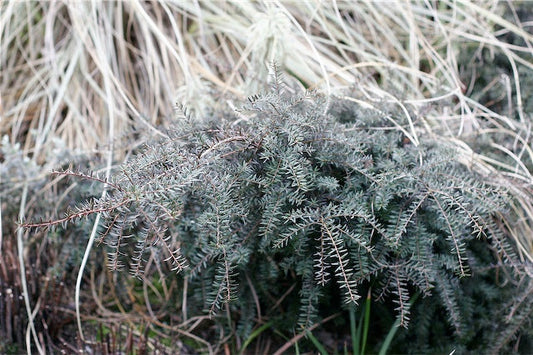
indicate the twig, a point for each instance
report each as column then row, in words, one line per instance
column 73, row 216
column 69, row 172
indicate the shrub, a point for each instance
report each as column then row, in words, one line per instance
column 288, row 195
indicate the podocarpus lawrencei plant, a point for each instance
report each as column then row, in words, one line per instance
column 290, row 195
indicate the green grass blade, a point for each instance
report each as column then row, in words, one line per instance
column 389, row 337
column 393, row 330
column 353, row 331
column 359, row 335
column 254, row 335
column 319, row 346
column 366, row 323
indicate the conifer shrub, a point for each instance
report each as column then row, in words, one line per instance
column 323, row 198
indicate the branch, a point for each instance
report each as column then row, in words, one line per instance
column 69, row 172
column 44, row 224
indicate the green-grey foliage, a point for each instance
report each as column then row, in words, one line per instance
column 290, row 195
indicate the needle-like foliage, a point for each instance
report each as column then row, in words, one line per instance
column 332, row 201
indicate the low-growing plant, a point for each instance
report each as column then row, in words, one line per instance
column 325, row 195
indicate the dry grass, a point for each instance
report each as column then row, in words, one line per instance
column 91, row 74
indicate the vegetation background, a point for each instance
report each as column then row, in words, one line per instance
column 85, row 84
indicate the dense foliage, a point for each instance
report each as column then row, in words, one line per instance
column 323, row 194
